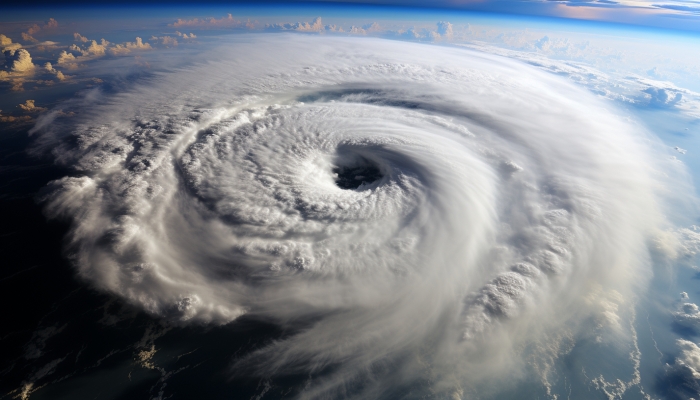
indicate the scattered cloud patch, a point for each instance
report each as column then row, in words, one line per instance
column 127, row 47
column 186, row 36
column 445, row 30
column 688, row 314
column 66, row 58
column 49, row 68
column 97, row 49
column 682, row 378
column 12, row 118
column 19, row 60
column 6, row 44
column 373, row 27
column 36, row 28
column 80, row 38
column 226, row 22
column 30, row 106
column 314, row 26
column 29, row 38
column 4, row 40
column 167, row 41
column 662, row 97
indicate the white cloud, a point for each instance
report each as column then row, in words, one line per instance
column 51, row 23
column 689, row 357
column 662, row 97
column 59, row 75
column 12, row 118
column 625, row 88
column 314, row 26
column 34, row 29
column 688, row 314
column 445, row 30
column 66, row 58
column 186, row 36
column 356, row 30
column 7, row 45
column 226, row 22
column 80, row 38
column 411, row 33
column 689, row 243
column 93, row 50
column 19, row 60
column 478, row 234
column 167, row 41
column 127, row 47
column 31, row 107
column 29, row 38
column 373, row 27
column 97, row 49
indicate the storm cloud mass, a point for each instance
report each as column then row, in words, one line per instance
column 416, row 214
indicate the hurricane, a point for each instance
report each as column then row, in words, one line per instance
column 411, row 214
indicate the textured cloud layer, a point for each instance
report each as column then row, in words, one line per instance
column 414, row 212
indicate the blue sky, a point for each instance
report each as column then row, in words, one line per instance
column 668, row 14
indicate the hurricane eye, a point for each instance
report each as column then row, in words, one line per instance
column 356, row 173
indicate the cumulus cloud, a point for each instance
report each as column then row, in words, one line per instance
column 226, row 22
column 66, row 58
column 444, row 28
column 356, row 30
column 29, row 38
column 34, row 29
column 689, row 357
column 4, row 40
column 373, row 27
column 402, row 197
column 682, row 378
column 97, row 49
column 31, row 107
column 19, row 61
column 443, row 31
column 688, row 315
column 558, row 46
column 6, row 44
column 14, row 119
column 411, row 34
column 49, row 68
column 314, row 26
column 679, row 245
column 51, row 23
column 93, row 50
column 127, row 47
column 662, row 97
column 80, row 38
column 167, row 41
column 186, row 36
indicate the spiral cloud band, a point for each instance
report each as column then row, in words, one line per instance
column 405, row 207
